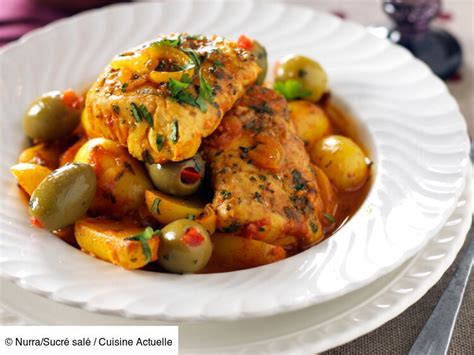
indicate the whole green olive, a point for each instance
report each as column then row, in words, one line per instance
column 49, row 118
column 63, row 196
column 307, row 72
column 185, row 247
column 180, row 179
column 260, row 54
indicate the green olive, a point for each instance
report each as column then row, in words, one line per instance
column 307, row 72
column 49, row 118
column 179, row 179
column 63, row 196
column 185, row 247
column 260, row 54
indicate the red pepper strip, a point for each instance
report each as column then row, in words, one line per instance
column 190, row 176
column 35, row 222
column 192, row 237
column 71, row 99
column 245, row 42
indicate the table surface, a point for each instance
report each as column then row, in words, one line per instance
column 397, row 336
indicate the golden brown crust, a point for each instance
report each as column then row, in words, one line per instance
column 108, row 103
column 264, row 185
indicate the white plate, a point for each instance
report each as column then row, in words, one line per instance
column 311, row 330
column 412, row 125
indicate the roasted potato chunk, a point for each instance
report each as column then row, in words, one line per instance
column 29, row 176
column 121, row 180
column 236, row 252
column 108, row 240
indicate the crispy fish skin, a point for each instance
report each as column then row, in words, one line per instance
column 178, row 127
column 264, row 185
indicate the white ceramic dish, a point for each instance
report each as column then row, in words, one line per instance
column 412, row 125
column 308, row 331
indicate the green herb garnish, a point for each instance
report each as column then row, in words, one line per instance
column 257, row 196
column 135, row 112
column 329, row 217
column 314, row 227
column 160, row 141
column 291, row 89
column 191, row 217
column 206, row 94
column 124, row 87
column 168, row 42
column 193, row 55
column 145, row 114
column 218, row 64
column 174, row 134
column 226, row 194
column 298, row 181
column 141, row 113
column 116, row 109
column 155, row 206
column 143, row 238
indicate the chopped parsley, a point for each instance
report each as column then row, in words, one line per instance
column 262, row 177
column 206, row 94
column 291, row 89
column 160, row 141
column 124, row 87
column 141, row 113
column 226, row 194
column 177, row 89
column 168, row 42
column 135, row 112
column 116, row 109
column 255, row 126
column 264, row 108
column 298, row 181
column 257, row 196
column 193, row 55
column 329, row 217
column 174, row 134
column 314, row 227
column 218, row 64
column 143, row 238
column 155, row 206
column 146, row 115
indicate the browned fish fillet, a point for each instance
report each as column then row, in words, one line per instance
column 264, row 185
column 134, row 103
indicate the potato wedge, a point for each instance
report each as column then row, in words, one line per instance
column 106, row 240
column 236, row 252
column 29, row 175
column 42, row 154
column 208, row 219
column 69, row 155
column 167, row 209
column 121, row 179
column 326, row 191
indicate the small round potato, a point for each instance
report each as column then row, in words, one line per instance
column 121, row 179
column 342, row 160
column 310, row 121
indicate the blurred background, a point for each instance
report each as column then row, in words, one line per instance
column 432, row 44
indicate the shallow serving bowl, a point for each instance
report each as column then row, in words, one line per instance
column 411, row 125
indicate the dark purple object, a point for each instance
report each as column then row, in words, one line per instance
column 436, row 47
